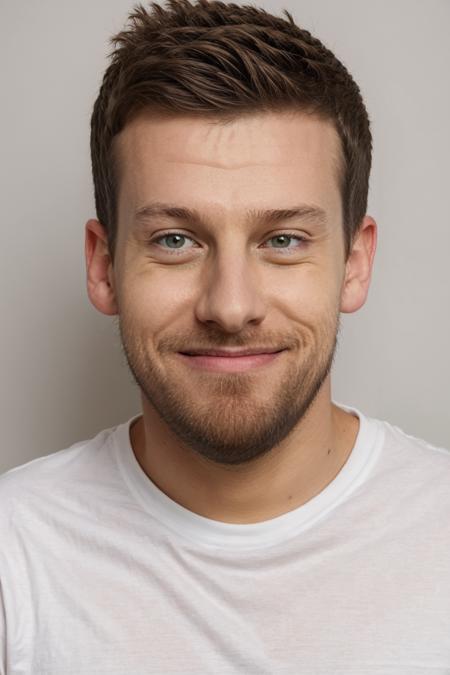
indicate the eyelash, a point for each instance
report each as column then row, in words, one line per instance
column 174, row 251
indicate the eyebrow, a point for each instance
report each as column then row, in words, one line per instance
column 265, row 217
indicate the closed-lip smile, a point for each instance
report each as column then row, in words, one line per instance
column 230, row 353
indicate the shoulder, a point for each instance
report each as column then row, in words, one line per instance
column 407, row 445
column 400, row 452
column 417, row 465
column 26, row 485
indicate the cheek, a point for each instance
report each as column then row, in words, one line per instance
column 310, row 294
column 153, row 299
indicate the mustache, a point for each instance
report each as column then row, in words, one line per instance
column 233, row 342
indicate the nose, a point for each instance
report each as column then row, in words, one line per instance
column 231, row 294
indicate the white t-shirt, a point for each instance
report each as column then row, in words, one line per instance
column 101, row 572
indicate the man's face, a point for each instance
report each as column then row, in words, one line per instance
column 229, row 276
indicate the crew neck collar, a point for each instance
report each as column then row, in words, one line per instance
column 214, row 533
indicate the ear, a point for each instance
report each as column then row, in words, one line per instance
column 100, row 279
column 358, row 267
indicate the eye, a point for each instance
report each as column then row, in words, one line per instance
column 174, row 241
column 282, row 241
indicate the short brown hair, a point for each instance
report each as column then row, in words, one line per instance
column 223, row 60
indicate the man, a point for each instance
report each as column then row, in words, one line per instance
column 243, row 523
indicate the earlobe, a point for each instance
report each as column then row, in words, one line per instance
column 100, row 280
column 359, row 266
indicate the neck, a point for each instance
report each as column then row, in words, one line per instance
column 279, row 481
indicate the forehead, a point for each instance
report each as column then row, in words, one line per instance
column 265, row 160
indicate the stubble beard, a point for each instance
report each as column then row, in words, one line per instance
column 222, row 416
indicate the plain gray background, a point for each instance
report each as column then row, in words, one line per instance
column 63, row 375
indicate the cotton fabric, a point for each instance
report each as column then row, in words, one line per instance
column 101, row 572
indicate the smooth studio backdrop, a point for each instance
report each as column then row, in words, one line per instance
column 63, row 376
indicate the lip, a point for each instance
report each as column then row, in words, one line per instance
column 229, row 361
column 231, row 353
